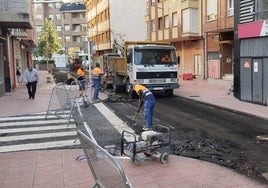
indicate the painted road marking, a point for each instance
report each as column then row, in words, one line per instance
column 26, row 123
column 44, row 128
column 31, row 117
column 262, row 137
column 118, row 124
column 35, row 146
column 36, row 136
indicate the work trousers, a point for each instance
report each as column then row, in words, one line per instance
column 96, row 83
column 148, row 113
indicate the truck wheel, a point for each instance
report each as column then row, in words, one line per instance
column 129, row 90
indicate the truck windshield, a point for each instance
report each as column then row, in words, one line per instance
column 155, row 56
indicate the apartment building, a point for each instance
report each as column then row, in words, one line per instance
column 251, row 55
column 112, row 22
column 201, row 31
column 17, row 40
column 218, row 31
column 69, row 18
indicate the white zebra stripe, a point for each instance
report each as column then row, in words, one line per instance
column 34, row 136
column 45, row 128
column 19, row 118
column 118, row 124
column 26, row 123
column 35, row 146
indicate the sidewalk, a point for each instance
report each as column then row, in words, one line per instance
column 216, row 93
column 60, row 169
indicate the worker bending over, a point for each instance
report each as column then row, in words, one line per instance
column 147, row 99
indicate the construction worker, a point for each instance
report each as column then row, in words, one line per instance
column 81, row 80
column 166, row 59
column 96, row 74
column 146, row 97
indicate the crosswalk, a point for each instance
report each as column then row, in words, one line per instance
column 40, row 132
column 35, row 132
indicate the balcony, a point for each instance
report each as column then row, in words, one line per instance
column 15, row 14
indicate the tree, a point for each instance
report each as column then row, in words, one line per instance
column 48, row 43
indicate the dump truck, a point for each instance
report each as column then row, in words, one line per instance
column 107, row 78
column 142, row 63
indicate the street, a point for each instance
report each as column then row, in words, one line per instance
column 207, row 133
column 198, row 131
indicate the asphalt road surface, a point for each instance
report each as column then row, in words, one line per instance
column 206, row 132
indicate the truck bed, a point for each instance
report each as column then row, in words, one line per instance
column 118, row 66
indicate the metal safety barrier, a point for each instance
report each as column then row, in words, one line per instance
column 106, row 169
column 61, row 100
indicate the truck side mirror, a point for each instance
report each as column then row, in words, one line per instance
column 178, row 59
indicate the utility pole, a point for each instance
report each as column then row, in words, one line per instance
column 47, row 53
column 89, row 69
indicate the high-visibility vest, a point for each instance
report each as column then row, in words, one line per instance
column 96, row 72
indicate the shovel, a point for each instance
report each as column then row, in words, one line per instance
column 135, row 116
column 138, row 110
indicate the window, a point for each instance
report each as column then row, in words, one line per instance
column 174, row 19
column 211, row 10
column 50, row 5
column 190, row 20
column 76, row 28
column 230, row 7
column 66, row 27
column 51, row 16
column 57, row 5
column 84, row 27
column 66, row 15
column 58, row 16
column 160, row 23
column 77, row 39
column 166, row 22
column 39, row 28
column 58, row 28
column 149, row 56
column 148, row 30
column 261, row 9
column 67, row 39
column 75, row 15
column 153, row 25
column 84, row 38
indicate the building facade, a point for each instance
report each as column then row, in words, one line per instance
column 69, row 19
column 251, row 55
column 112, row 22
column 17, row 40
column 201, row 31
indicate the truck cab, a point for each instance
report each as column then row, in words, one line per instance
column 154, row 66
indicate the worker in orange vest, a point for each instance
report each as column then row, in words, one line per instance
column 147, row 99
column 96, row 75
column 81, row 80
